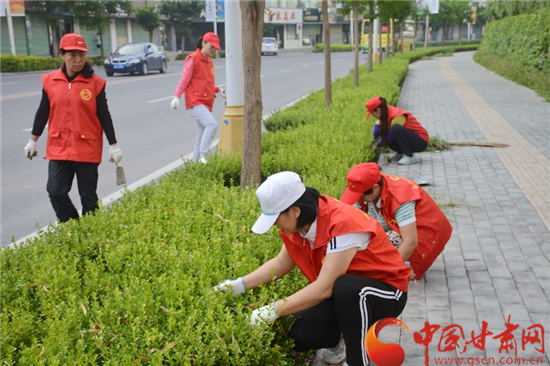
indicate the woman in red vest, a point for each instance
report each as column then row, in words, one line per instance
column 74, row 106
column 397, row 129
column 198, row 84
column 419, row 228
column 356, row 276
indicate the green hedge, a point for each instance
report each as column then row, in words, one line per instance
column 320, row 47
column 183, row 55
column 522, row 39
column 21, row 63
column 420, row 45
column 132, row 284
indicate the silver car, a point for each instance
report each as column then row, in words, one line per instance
column 269, row 46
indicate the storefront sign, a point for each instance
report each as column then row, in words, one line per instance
column 312, row 15
column 283, row 16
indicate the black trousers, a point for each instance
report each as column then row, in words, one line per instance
column 356, row 304
column 60, row 180
column 406, row 141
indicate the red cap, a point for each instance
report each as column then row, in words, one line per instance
column 73, row 41
column 361, row 178
column 372, row 104
column 212, row 38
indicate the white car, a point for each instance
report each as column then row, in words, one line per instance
column 269, row 45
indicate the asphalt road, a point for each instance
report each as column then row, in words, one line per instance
column 149, row 133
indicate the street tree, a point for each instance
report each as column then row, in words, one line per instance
column 326, row 42
column 252, row 15
column 371, row 18
column 52, row 13
column 498, row 9
column 148, row 18
column 402, row 11
column 450, row 13
column 95, row 14
column 179, row 15
column 356, row 7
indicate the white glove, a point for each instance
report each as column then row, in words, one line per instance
column 237, row 286
column 30, row 149
column 264, row 315
column 223, row 93
column 115, row 154
column 175, row 103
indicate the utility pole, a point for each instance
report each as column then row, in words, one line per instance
column 10, row 27
column 231, row 135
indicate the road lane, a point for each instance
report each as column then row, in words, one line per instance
column 150, row 134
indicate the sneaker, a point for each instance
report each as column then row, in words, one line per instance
column 335, row 355
column 408, row 160
column 395, row 159
column 203, row 160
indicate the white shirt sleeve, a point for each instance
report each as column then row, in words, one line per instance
column 340, row 243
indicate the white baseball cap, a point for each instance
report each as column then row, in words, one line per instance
column 276, row 194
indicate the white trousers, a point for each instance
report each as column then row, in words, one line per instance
column 207, row 126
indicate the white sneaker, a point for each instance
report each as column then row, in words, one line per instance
column 395, row 159
column 408, row 160
column 203, row 160
column 335, row 355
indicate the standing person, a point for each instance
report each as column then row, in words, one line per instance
column 357, row 277
column 198, row 84
column 75, row 108
column 404, row 210
column 397, row 129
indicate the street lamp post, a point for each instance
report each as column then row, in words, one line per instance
column 231, row 135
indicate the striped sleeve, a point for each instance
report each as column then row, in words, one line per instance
column 406, row 213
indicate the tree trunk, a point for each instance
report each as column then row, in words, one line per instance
column 371, row 30
column 388, row 43
column 392, row 31
column 326, row 41
column 151, row 35
column 357, row 39
column 55, row 42
column 443, row 35
column 380, row 49
column 415, row 31
column 252, row 14
column 460, row 34
column 401, row 37
column 101, row 49
column 182, row 43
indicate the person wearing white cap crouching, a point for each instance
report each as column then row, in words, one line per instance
column 357, row 276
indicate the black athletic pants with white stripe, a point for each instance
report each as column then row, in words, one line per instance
column 356, row 304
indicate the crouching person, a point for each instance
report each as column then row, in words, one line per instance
column 357, row 277
column 413, row 221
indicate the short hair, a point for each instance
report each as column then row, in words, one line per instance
column 380, row 183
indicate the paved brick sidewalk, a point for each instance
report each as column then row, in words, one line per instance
column 496, row 264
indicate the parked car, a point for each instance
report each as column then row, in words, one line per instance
column 136, row 58
column 269, row 45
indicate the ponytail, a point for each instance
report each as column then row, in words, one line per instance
column 199, row 43
column 383, row 120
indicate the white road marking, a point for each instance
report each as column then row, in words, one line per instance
column 26, row 129
column 161, row 99
column 305, row 65
column 285, row 70
column 11, row 82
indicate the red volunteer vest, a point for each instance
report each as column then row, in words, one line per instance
column 74, row 131
column 410, row 122
column 201, row 88
column 432, row 226
column 379, row 261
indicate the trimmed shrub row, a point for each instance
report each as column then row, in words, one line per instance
column 523, row 39
column 183, row 55
column 320, row 47
column 22, row 63
column 132, row 284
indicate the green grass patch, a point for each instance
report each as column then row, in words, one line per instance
column 532, row 78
